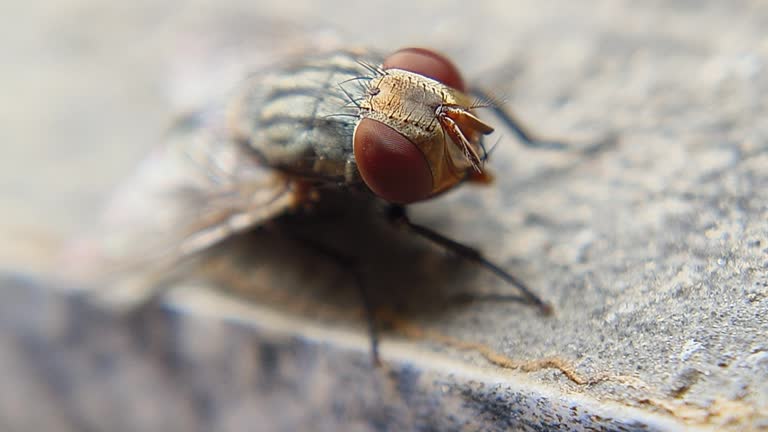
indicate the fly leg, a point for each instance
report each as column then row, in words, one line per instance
column 527, row 138
column 351, row 264
column 397, row 215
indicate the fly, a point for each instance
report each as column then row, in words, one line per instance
column 398, row 129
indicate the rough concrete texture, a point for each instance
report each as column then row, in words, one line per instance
column 654, row 252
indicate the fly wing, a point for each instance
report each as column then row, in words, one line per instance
column 195, row 189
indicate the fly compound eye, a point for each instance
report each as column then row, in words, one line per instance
column 427, row 63
column 390, row 164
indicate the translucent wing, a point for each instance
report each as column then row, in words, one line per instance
column 198, row 186
column 195, row 189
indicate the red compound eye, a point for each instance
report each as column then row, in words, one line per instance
column 390, row 164
column 428, row 63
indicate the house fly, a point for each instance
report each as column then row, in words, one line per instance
column 397, row 129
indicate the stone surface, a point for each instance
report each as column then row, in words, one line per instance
column 183, row 369
column 654, row 252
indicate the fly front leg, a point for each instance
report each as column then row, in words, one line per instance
column 529, row 139
column 398, row 215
